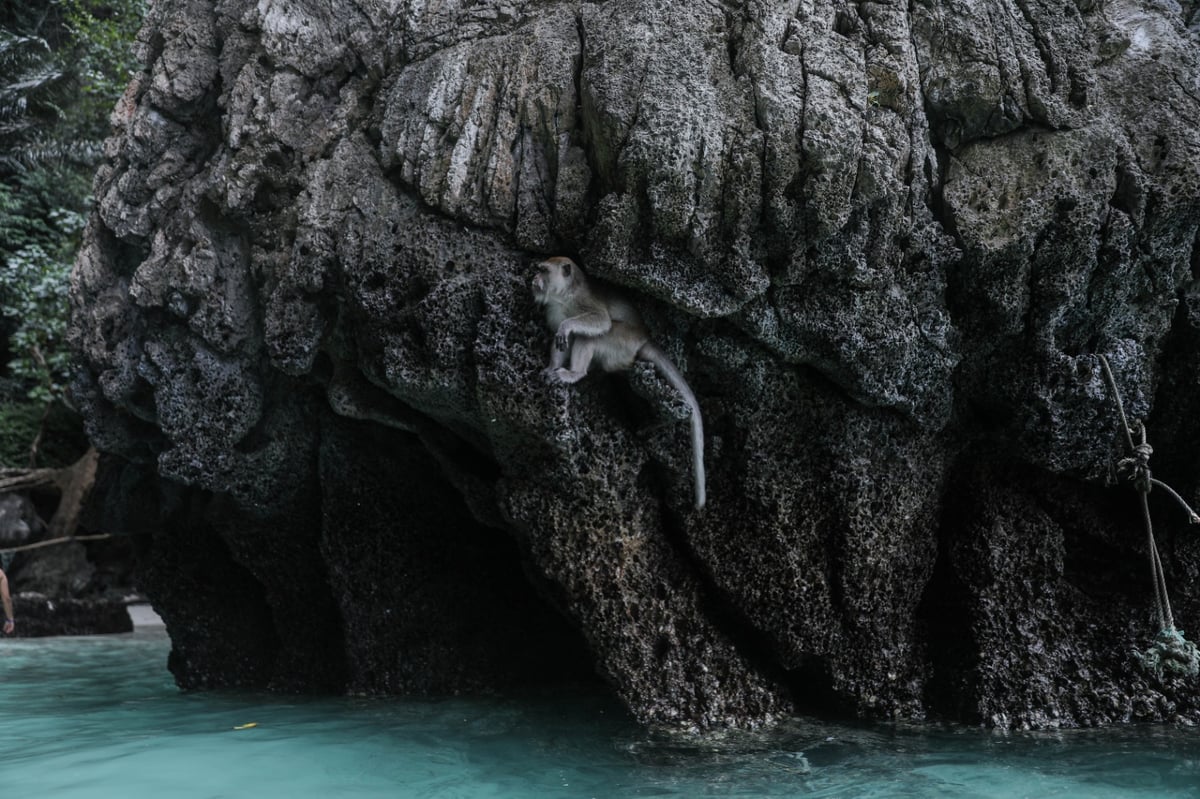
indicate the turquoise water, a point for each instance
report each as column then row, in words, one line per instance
column 100, row 717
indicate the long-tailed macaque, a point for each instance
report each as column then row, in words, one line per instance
column 593, row 324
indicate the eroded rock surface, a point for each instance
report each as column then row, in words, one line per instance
column 886, row 243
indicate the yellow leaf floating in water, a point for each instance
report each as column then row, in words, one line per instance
column 246, row 726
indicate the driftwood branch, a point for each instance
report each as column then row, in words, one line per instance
column 49, row 542
column 75, row 483
column 72, row 484
column 12, row 480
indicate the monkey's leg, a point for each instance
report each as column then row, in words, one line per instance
column 581, row 357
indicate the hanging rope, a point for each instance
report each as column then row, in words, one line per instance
column 1170, row 650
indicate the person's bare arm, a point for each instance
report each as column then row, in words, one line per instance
column 6, row 600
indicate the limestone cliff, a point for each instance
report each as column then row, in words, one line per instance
column 884, row 241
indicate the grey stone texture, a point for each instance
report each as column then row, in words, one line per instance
column 885, row 242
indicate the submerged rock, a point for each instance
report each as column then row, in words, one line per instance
column 885, row 242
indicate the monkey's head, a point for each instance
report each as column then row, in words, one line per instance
column 554, row 278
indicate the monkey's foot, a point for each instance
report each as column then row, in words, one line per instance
column 565, row 375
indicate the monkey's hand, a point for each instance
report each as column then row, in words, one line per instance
column 563, row 337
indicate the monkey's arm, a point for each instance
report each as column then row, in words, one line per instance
column 595, row 322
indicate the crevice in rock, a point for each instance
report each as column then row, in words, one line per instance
column 1176, row 413
column 124, row 255
column 796, row 188
column 1045, row 49
column 845, row 23
column 256, row 438
column 1195, row 256
column 581, row 136
column 1079, row 93
column 813, row 693
column 731, row 45
column 809, row 686
column 1128, row 196
column 944, row 617
column 1039, row 307
column 605, row 181
column 755, row 646
column 577, row 75
column 154, row 46
column 937, row 191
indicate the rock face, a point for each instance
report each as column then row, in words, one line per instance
column 885, row 242
column 39, row 616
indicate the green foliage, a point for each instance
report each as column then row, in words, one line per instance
column 19, row 424
column 31, row 88
column 28, row 200
column 62, row 440
column 63, row 66
column 101, row 48
column 34, row 286
column 56, row 95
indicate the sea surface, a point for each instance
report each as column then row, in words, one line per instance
column 100, row 717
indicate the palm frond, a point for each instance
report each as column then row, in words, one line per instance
column 32, row 88
column 32, row 81
column 18, row 53
column 11, row 108
column 35, row 91
column 48, row 152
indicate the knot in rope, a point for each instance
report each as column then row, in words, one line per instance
column 1171, row 654
column 1137, row 466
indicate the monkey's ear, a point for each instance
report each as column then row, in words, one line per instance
column 566, row 268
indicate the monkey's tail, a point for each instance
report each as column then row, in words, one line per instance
column 650, row 352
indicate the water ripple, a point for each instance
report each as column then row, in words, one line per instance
column 100, row 717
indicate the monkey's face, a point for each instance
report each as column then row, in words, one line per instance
column 552, row 279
